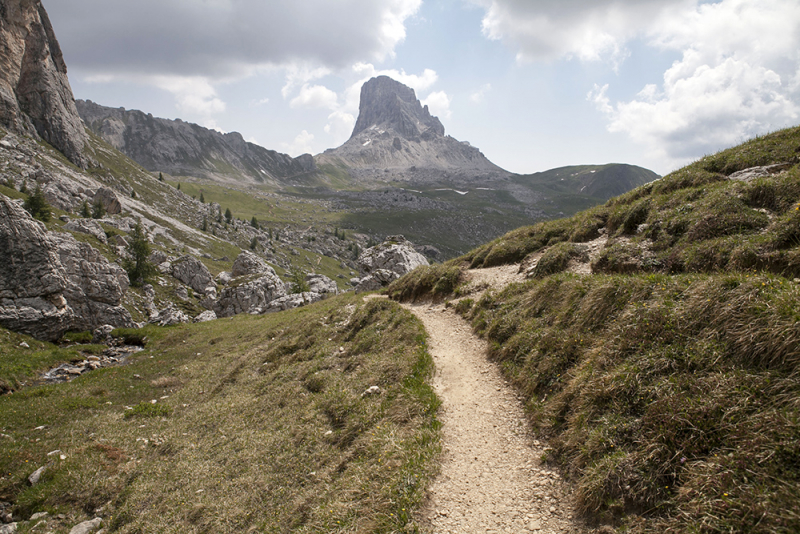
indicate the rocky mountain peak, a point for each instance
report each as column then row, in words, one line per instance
column 388, row 104
column 35, row 95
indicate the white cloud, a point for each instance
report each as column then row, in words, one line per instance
column 299, row 75
column 438, row 104
column 300, row 145
column 735, row 79
column 226, row 38
column 261, row 102
column 340, row 125
column 193, row 95
column 480, row 95
column 584, row 29
column 315, row 96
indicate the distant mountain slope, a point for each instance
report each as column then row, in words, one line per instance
column 186, row 149
column 597, row 181
column 397, row 139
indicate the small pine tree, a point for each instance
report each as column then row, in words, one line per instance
column 37, row 205
column 205, row 224
column 133, row 193
column 298, row 280
column 202, row 198
column 86, row 211
column 270, row 234
column 253, row 243
column 160, row 177
column 254, row 222
column 98, row 210
column 228, row 215
column 137, row 265
column 179, row 186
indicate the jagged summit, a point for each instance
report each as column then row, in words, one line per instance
column 387, row 103
column 397, row 139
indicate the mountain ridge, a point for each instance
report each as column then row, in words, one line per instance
column 183, row 148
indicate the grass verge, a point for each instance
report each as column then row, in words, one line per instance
column 250, row 424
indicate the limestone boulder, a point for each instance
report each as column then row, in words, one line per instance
column 396, row 254
column 50, row 283
column 32, row 279
column 248, row 263
column 108, row 198
column 377, row 280
column 96, row 286
column 321, row 284
column 169, row 316
column 249, row 294
column 193, row 273
column 292, row 301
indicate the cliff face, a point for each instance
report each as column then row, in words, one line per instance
column 396, row 138
column 35, row 95
column 184, row 149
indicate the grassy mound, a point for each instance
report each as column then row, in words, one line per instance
column 250, row 424
column 667, row 381
column 693, row 220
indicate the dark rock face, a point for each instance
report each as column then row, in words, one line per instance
column 35, row 95
column 186, row 149
column 391, row 104
column 397, row 139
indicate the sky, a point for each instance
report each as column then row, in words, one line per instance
column 535, row 84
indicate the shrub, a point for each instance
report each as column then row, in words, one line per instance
column 137, row 265
column 98, row 210
column 37, row 205
column 298, row 280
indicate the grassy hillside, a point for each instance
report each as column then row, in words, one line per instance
column 250, row 424
column 666, row 381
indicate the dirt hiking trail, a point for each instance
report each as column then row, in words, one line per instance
column 492, row 479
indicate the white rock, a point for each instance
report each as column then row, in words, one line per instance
column 87, row 526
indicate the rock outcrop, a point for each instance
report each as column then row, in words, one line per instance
column 396, row 138
column 387, row 262
column 289, row 302
column 248, row 263
column 51, row 283
column 194, row 274
column 184, row 149
column 321, row 284
column 396, row 254
column 96, row 286
column 249, row 294
column 108, row 199
column 35, row 95
column 87, row 226
column 32, row 279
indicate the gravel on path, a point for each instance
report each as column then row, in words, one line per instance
column 492, row 479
